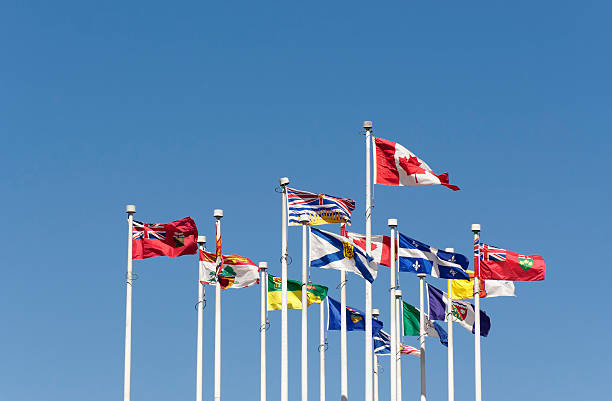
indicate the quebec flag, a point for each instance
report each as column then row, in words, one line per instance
column 333, row 251
column 417, row 257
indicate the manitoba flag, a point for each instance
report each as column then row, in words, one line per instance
column 396, row 165
column 171, row 239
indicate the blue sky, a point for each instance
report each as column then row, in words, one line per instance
column 186, row 107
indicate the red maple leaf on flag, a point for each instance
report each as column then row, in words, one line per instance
column 412, row 165
column 361, row 242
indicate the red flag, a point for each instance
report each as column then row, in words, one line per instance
column 171, row 239
column 380, row 247
column 501, row 264
column 396, row 165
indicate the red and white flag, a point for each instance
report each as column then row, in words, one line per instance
column 396, row 165
column 380, row 247
column 170, row 239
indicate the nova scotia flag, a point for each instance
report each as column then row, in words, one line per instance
column 417, row 257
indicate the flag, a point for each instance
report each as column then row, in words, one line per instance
column 171, row 239
column 464, row 289
column 380, row 247
column 236, row 272
column 333, row 251
column 382, row 345
column 412, row 324
column 501, row 264
column 463, row 313
column 417, row 257
column 314, row 293
column 355, row 319
column 396, row 165
column 320, row 208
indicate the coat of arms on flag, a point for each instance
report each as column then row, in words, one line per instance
column 319, row 208
column 171, row 239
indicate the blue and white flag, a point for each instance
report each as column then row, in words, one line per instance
column 333, row 251
column 355, row 319
column 382, row 343
column 319, row 208
column 417, row 257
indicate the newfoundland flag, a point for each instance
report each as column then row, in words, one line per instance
column 171, row 239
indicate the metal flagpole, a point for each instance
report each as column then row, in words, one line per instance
column 367, row 125
column 398, row 337
column 322, row 346
column 304, row 220
column 392, row 223
column 375, row 314
column 422, row 335
column 284, row 324
column 343, row 339
column 476, row 231
column 200, row 304
column 130, row 210
column 218, row 214
column 263, row 282
column 449, row 318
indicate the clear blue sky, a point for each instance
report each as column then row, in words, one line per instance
column 184, row 107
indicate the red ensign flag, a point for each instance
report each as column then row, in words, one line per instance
column 171, row 239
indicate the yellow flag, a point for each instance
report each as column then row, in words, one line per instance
column 462, row 289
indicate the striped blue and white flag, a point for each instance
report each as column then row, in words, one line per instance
column 333, row 251
column 319, row 208
column 417, row 257
column 382, row 343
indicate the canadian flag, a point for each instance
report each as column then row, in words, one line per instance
column 396, row 165
column 380, row 247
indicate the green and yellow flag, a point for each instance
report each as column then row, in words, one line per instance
column 314, row 293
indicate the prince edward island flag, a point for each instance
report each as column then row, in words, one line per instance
column 417, row 257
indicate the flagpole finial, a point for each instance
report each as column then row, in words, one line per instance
column 449, row 249
column 263, row 265
column 218, row 213
column 476, row 228
column 367, row 125
column 130, row 209
column 375, row 313
column 392, row 222
column 420, row 275
column 201, row 239
column 284, row 181
column 398, row 293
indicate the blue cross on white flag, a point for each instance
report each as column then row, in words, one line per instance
column 417, row 257
column 333, row 251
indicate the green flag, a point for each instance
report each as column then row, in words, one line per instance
column 412, row 325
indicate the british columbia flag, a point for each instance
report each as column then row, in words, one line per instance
column 318, row 208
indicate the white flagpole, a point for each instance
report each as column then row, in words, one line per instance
column 392, row 223
column 375, row 314
column 263, row 282
column 284, row 323
column 304, row 220
column 422, row 335
column 202, row 246
column 449, row 318
column 476, row 231
column 343, row 339
column 218, row 214
column 367, row 125
column 130, row 210
column 398, row 337
column 322, row 352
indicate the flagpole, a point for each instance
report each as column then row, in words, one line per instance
column 200, row 304
column 477, row 368
column 304, row 220
column 130, row 210
column 263, row 283
column 284, row 324
column 398, row 353
column 375, row 314
column 392, row 223
column 218, row 214
column 422, row 334
column 367, row 125
column 322, row 345
column 449, row 318
column 343, row 339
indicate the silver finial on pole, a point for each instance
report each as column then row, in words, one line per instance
column 130, row 209
column 375, row 313
column 367, row 125
column 263, row 265
column 201, row 239
column 392, row 222
column 476, row 228
column 284, row 181
column 218, row 213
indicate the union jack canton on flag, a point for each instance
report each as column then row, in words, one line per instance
column 319, row 208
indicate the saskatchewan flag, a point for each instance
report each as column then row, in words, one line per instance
column 314, row 293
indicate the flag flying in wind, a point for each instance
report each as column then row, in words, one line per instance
column 396, row 165
column 463, row 313
column 333, row 251
column 171, row 239
column 320, row 208
column 236, row 272
column 412, row 324
column 381, row 247
column 417, row 257
column 382, row 345
column 355, row 319
column 501, row 264
column 314, row 293
column 464, row 289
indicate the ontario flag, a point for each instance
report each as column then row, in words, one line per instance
column 171, row 239
column 396, row 165
column 501, row 264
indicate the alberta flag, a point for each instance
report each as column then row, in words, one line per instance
column 417, row 257
column 332, row 251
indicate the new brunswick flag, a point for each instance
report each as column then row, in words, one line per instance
column 314, row 293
